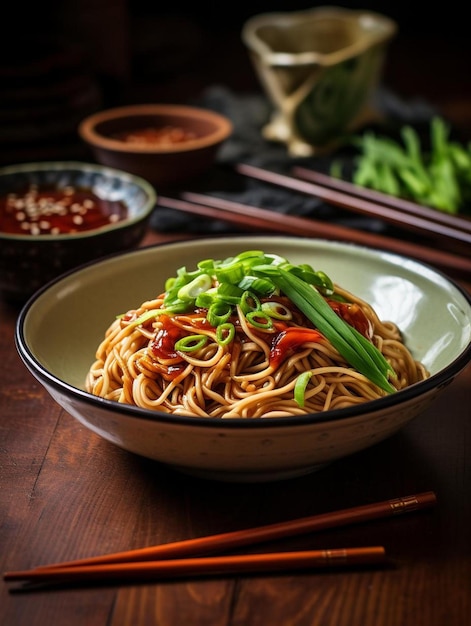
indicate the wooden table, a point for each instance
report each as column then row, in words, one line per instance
column 65, row 493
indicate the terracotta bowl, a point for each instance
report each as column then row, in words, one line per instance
column 28, row 261
column 164, row 143
column 433, row 313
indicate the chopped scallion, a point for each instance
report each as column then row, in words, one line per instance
column 218, row 313
column 259, row 319
column 300, row 388
column 277, row 310
column 191, row 343
column 225, row 333
column 220, row 286
column 249, row 302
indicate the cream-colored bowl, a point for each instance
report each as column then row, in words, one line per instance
column 433, row 313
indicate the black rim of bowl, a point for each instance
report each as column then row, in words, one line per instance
column 435, row 381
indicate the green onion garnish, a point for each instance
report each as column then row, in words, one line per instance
column 277, row 310
column 221, row 285
column 356, row 349
column 225, row 333
column 218, row 313
column 259, row 319
column 300, row 387
column 191, row 343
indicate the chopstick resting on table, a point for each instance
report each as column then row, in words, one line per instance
column 362, row 205
column 174, row 559
column 204, row 566
column 264, row 219
column 405, row 207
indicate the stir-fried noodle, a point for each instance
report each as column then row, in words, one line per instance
column 256, row 374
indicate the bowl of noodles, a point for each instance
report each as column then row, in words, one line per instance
column 247, row 358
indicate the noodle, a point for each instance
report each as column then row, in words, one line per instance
column 253, row 375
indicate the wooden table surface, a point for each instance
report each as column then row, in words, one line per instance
column 65, row 493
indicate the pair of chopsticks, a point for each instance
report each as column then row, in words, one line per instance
column 407, row 215
column 390, row 208
column 256, row 218
column 184, row 558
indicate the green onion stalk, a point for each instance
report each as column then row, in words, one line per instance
column 244, row 282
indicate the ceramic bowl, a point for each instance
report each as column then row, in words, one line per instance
column 28, row 261
column 319, row 68
column 433, row 313
column 164, row 143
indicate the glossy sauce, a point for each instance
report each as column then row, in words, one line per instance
column 353, row 315
column 163, row 344
column 57, row 211
column 289, row 340
column 285, row 341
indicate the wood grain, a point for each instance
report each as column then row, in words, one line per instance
column 65, row 493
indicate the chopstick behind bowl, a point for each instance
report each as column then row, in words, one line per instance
column 357, row 203
column 271, row 221
column 405, row 208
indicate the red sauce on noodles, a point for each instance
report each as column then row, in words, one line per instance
column 163, row 345
column 286, row 341
column 289, row 340
column 354, row 316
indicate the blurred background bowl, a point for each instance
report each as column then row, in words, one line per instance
column 28, row 261
column 319, row 68
column 164, row 143
column 433, row 313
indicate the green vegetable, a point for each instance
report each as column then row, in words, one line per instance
column 242, row 280
column 277, row 310
column 225, row 333
column 218, row 313
column 259, row 319
column 355, row 348
column 198, row 285
column 300, row 387
column 191, row 343
column 439, row 177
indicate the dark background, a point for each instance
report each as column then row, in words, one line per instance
column 61, row 60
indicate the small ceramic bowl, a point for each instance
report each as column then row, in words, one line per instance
column 433, row 313
column 319, row 68
column 164, row 143
column 40, row 238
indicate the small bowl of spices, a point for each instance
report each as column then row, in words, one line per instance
column 167, row 144
column 55, row 216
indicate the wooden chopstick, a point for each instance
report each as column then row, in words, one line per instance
column 406, row 207
column 264, row 219
column 226, row 541
column 204, row 566
column 359, row 205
